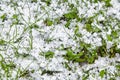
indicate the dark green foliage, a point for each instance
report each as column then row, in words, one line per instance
column 62, row 1
column 70, row 56
column 57, row 21
column 25, row 73
column 88, row 27
column 67, row 24
column 48, row 22
column 91, row 28
column 102, row 51
column 6, row 66
column 2, row 42
column 112, row 78
column 67, row 66
column 95, row 1
column 49, row 54
column 65, row 0
column 96, row 29
column 102, row 73
column 18, row 40
column 88, row 24
column 4, row 17
column 24, row 55
column 84, row 77
column 76, row 31
column 11, row 65
column 113, row 50
column 92, row 56
column 71, row 15
column 86, row 54
column 107, row 3
column 34, row 26
column 33, row 1
column 48, row 40
column 1, row 58
column 48, row 2
column 15, row 17
column 49, row 72
column 114, row 34
column 118, row 67
column 109, row 37
column 83, row 56
column 90, row 20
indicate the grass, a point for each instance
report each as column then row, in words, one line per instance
column 85, row 54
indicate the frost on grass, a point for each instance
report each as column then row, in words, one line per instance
column 59, row 39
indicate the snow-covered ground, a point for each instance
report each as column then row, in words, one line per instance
column 31, row 29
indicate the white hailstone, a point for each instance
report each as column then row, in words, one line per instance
column 53, row 4
column 87, row 41
column 100, row 5
column 117, row 55
column 101, row 62
column 24, row 63
column 97, row 43
column 85, row 37
column 53, row 78
column 109, row 44
column 81, row 11
column 61, row 11
column 104, row 35
column 95, row 34
column 91, row 12
column 101, row 18
column 91, row 77
column 115, row 9
column 34, row 66
column 43, row 64
column 35, row 52
column 111, row 69
column 39, row 23
column 1, row 58
column 88, row 34
column 84, row 32
column 20, row 3
column 26, row 13
column 118, row 46
column 14, row 73
column 3, row 7
column 35, row 33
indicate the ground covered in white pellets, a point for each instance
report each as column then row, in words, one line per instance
column 59, row 39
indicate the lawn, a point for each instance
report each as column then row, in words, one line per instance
column 59, row 39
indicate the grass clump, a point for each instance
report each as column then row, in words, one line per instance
column 7, row 67
column 48, row 2
column 49, row 54
column 107, row 2
column 2, row 42
column 89, row 55
column 70, row 56
column 49, row 72
column 70, row 16
column 48, row 22
column 34, row 1
column 102, row 73
column 4, row 17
